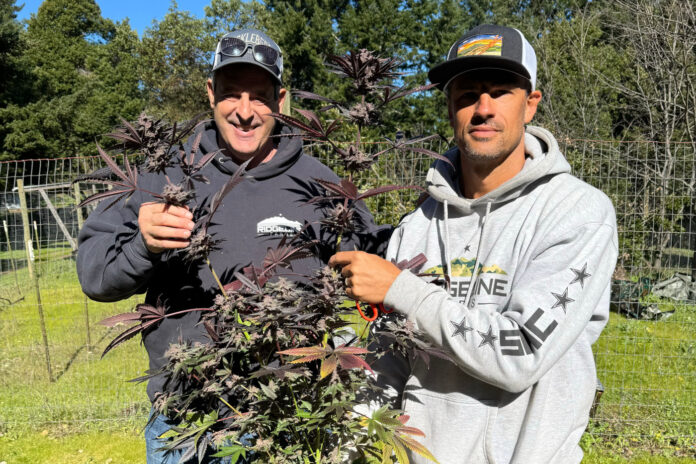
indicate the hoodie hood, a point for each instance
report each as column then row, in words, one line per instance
column 289, row 150
column 543, row 159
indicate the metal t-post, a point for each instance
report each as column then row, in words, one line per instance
column 80, row 222
column 12, row 259
column 34, row 275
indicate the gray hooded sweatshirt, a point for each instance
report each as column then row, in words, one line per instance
column 541, row 249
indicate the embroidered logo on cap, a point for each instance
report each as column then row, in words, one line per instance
column 252, row 38
column 487, row 44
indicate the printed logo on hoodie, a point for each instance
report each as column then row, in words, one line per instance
column 277, row 226
column 493, row 284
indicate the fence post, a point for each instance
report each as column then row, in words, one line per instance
column 25, row 226
column 38, row 248
column 12, row 259
column 80, row 222
column 34, row 275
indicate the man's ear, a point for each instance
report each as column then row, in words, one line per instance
column 211, row 93
column 530, row 110
column 282, row 100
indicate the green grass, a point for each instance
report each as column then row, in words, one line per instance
column 44, row 254
column 60, row 447
column 91, row 414
column 649, row 371
column 85, row 389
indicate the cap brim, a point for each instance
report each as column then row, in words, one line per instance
column 243, row 60
column 443, row 73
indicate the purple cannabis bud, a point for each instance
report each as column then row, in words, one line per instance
column 177, row 195
column 355, row 159
column 158, row 158
column 365, row 68
column 339, row 218
column 200, row 246
column 364, row 114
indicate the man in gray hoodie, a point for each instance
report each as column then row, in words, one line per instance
column 527, row 252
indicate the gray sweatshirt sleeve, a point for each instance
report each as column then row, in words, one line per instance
column 550, row 305
column 113, row 262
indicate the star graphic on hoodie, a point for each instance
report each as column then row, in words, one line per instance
column 461, row 329
column 467, row 248
column 561, row 300
column 580, row 275
column 487, row 338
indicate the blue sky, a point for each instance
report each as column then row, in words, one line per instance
column 140, row 12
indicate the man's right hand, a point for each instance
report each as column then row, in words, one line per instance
column 165, row 227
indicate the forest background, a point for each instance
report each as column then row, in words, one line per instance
column 609, row 70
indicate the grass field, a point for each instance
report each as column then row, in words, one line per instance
column 89, row 413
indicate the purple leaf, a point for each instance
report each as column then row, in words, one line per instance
column 312, row 118
column 205, row 159
column 429, row 153
column 120, row 319
column 313, row 96
column 112, row 164
column 102, row 195
column 413, row 263
column 385, row 189
column 293, row 122
column 346, row 189
column 402, row 93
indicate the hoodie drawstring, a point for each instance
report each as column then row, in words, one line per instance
column 448, row 270
column 474, row 273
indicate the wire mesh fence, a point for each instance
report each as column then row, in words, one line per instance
column 50, row 366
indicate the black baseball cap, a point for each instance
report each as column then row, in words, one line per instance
column 250, row 46
column 487, row 47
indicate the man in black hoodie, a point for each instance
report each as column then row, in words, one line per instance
column 133, row 247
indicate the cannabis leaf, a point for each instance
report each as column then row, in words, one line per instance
column 346, row 189
column 145, row 316
column 390, row 426
column 345, row 356
column 122, row 189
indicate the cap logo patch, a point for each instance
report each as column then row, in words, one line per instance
column 487, row 44
column 252, row 38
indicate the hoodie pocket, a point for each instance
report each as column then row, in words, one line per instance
column 457, row 430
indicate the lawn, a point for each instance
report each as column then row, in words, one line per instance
column 85, row 389
column 89, row 413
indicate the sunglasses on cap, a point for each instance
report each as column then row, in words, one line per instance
column 236, row 47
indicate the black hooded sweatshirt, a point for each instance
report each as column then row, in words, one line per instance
column 113, row 262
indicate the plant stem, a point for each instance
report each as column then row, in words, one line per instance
column 235, row 410
column 224, row 293
column 217, row 279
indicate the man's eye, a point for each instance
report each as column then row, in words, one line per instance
column 497, row 93
column 468, row 98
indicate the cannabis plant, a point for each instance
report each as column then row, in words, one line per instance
column 285, row 371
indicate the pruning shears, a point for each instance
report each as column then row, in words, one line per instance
column 376, row 308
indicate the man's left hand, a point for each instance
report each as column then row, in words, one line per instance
column 368, row 277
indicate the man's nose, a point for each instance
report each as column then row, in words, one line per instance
column 244, row 110
column 485, row 106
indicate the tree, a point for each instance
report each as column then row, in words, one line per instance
column 82, row 79
column 660, row 92
column 175, row 60
column 223, row 16
column 12, row 68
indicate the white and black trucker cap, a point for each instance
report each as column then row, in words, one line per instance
column 487, row 47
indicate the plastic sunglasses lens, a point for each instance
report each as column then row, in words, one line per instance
column 232, row 46
column 265, row 54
